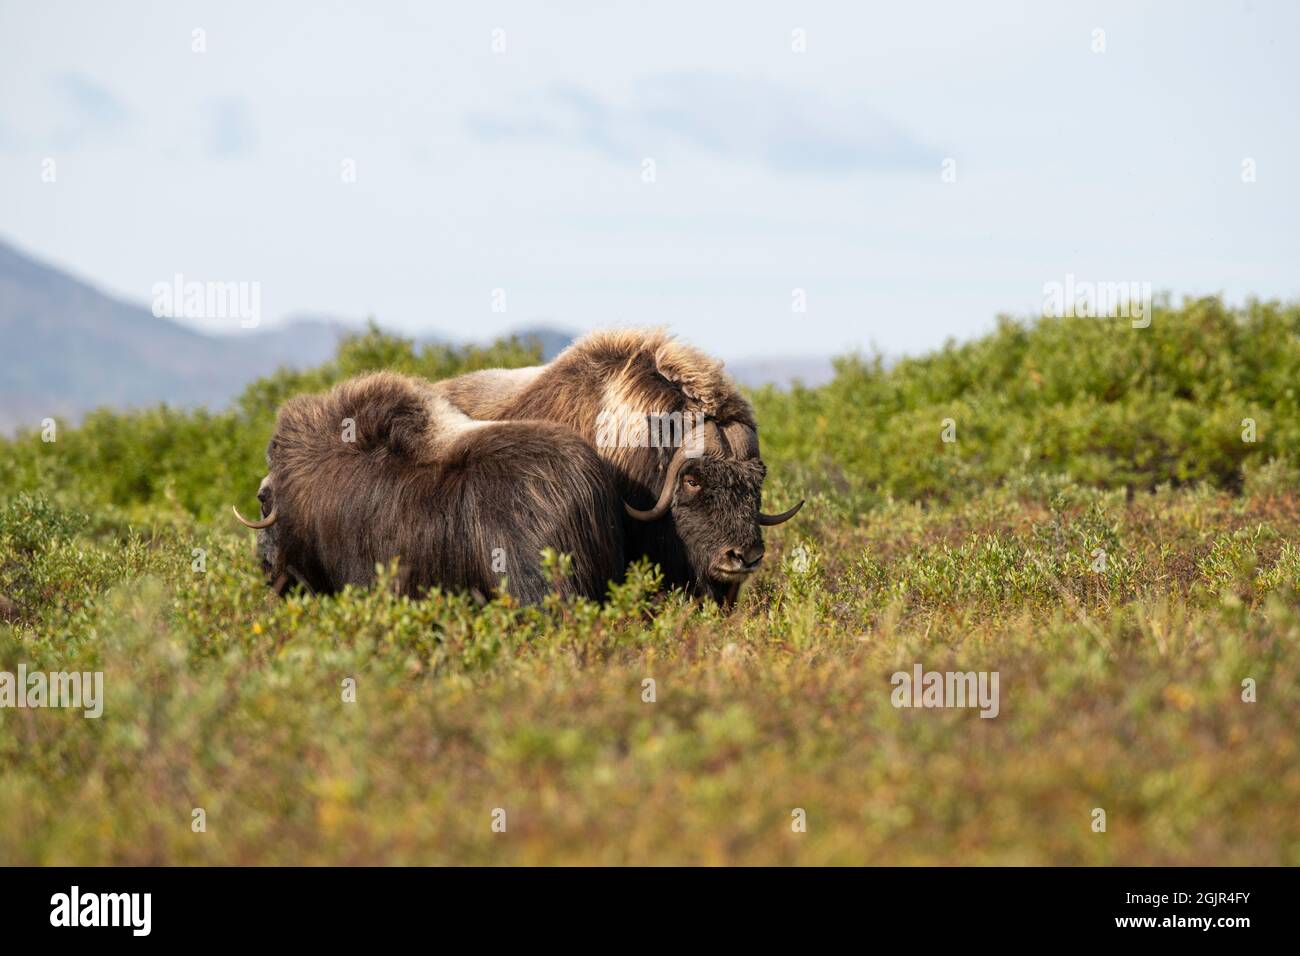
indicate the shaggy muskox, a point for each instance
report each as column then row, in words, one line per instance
column 680, row 438
column 381, row 467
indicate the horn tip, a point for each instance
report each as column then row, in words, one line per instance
column 770, row 520
column 256, row 525
column 637, row 513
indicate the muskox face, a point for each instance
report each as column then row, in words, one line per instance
column 715, row 510
column 268, row 551
column 713, row 491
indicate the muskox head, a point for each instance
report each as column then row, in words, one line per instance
column 269, row 550
column 713, row 490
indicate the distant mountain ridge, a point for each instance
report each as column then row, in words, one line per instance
column 66, row 348
column 69, row 347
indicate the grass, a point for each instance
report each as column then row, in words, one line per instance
column 1120, row 677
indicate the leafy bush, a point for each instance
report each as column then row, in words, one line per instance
column 1092, row 400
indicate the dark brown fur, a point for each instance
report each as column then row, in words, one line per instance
column 423, row 485
column 652, row 373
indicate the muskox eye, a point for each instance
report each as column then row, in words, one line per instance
column 691, row 482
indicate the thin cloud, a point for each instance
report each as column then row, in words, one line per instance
column 744, row 120
column 88, row 109
column 231, row 130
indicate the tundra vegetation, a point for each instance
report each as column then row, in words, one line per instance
column 1115, row 530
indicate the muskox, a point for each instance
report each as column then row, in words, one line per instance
column 380, row 467
column 677, row 434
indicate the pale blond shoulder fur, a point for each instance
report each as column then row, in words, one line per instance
column 700, row 377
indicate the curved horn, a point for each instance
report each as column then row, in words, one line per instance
column 742, row 440
column 665, row 494
column 784, row 516
column 257, row 525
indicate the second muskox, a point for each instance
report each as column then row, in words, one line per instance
column 381, row 468
column 694, row 487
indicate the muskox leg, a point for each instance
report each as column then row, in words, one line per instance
column 300, row 579
column 725, row 595
column 287, row 577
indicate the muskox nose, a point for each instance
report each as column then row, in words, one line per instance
column 746, row 557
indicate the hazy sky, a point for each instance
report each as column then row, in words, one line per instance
column 775, row 170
